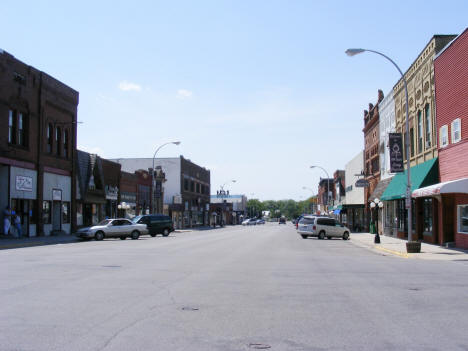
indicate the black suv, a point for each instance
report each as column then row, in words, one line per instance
column 156, row 224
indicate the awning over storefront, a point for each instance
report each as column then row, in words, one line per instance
column 380, row 188
column 422, row 175
column 455, row 186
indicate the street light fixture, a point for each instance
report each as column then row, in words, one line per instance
column 152, row 171
column 352, row 52
column 328, row 184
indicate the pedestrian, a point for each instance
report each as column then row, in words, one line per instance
column 18, row 226
column 6, row 220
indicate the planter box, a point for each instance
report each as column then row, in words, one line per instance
column 413, row 247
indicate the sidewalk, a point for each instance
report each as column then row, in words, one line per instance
column 11, row 242
column 397, row 247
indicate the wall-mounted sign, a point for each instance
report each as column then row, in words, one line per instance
column 396, row 152
column 361, row 183
column 24, row 183
column 111, row 192
column 56, row 195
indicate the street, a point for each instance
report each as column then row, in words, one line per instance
column 230, row 289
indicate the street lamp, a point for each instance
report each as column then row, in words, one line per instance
column 328, row 184
column 376, row 203
column 352, row 52
column 152, row 171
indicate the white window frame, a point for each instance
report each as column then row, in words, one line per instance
column 443, row 133
column 459, row 217
column 454, row 140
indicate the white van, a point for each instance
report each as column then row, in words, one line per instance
column 322, row 227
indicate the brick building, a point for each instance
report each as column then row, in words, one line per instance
column 37, row 147
column 449, row 198
column 128, row 190
column 325, row 195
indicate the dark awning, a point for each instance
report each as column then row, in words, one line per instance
column 424, row 174
column 380, row 188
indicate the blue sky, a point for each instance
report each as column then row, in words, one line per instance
column 256, row 91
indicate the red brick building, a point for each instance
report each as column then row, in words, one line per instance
column 371, row 152
column 451, row 93
column 38, row 116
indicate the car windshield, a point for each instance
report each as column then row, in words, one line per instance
column 105, row 222
column 136, row 219
column 307, row 221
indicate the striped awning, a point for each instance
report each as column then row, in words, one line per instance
column 459, row 186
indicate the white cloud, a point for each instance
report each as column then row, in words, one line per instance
column 128, row 86
column 184, row 94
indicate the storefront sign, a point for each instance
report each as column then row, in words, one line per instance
column 24, row 183
column 111, row 192
column 362, row 183
column 396, row 152
column 56, row 195
column 128, row 197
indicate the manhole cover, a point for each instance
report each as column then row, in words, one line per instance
column 258, row 346
column 188, row 308
column 112, row 266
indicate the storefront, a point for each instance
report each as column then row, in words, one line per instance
column 127, row 205
column 445, row 212
column 395, row 212
column 20, row 193
column 354, row 217
column 112, row 193
column 56, row 204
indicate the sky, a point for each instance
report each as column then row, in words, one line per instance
column 256, row 91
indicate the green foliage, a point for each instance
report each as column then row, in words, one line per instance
column 287, row 208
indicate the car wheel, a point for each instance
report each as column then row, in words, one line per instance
column 329, row 237
column 135, row 235
column 166, row 232
column 123, row 237
column 99, row 236
column 321, row 235
column 153, row 235
column 304, row 236
column 345, row 236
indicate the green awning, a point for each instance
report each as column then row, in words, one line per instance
column 424, row 174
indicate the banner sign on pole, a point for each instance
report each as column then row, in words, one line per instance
column 396, row 152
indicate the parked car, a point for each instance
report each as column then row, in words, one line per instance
column 282, row 220
column 322, row 227
column 156, row 224
column 113, row 228
column 260, row 221
column 245, row 221
column 296, row 222
column 252, row 221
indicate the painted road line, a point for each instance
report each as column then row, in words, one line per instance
column 398, row 253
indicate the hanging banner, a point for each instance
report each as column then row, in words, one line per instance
column 396, row 152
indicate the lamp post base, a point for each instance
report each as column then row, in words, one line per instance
column 377, row 238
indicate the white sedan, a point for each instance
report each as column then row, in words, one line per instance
column 116, row 228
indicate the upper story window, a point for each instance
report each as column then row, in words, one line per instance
column 65, row 143
column 443, row 136
column 50, row 132
column 186, row 184
column 192, row 186
column 58, row 142
column 456, row 130
column 198, row 188
column 412, row 141
column 427, row 113
column 420, row 132
column 17, row 128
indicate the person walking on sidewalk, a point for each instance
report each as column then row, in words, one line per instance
column 18, row 226
column 6, row 220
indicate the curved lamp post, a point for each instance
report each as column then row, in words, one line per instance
column 352, row 52
column 328, row 184
column 152, row 171
column 376, row 203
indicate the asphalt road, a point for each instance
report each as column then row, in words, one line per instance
column 230, row 289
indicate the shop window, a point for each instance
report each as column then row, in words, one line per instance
column 65, row 212
column 50, row 132
column 58, row 142
column 443, row 136
column 463, row 219
column 198, row 188
column 456, row 130
column 427, row 215
column 192, row 186
column 427, row 113
column 65, row 143
column 79, row 214
column 46, row 212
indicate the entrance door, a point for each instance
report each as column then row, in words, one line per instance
column 56, row 215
